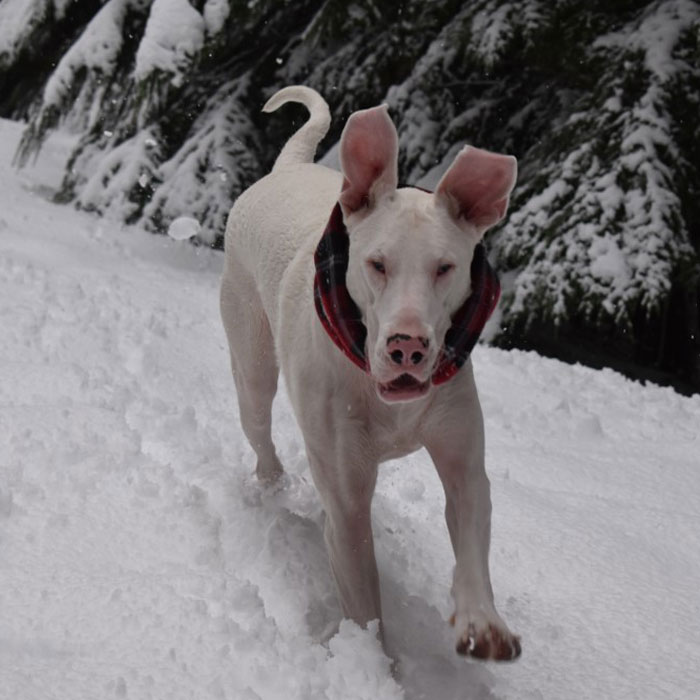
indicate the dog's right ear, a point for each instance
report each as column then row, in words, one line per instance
column 368, row 158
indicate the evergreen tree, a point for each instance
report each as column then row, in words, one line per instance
column 600, row 255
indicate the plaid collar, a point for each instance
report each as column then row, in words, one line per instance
column 342, row 319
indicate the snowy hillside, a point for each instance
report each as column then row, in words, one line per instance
column 138, row 559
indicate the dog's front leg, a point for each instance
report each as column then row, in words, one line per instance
column 345, row 479
column 458, row 455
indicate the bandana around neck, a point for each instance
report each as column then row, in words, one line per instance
column 342, row 318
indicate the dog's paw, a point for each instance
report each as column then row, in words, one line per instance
column 269, row 472
column 488, row 642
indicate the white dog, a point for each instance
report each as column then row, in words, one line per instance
column 372, row 323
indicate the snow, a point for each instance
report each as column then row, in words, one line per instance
column 111, row 178
column 18, row 18
column 174, row 35
column 656, row 34
column 608, row 259
column 490, row 29
column 183, row 228
column 198, row 179
column 215, row 14
column 607, row 174
column 97, row 49
column 139, row 559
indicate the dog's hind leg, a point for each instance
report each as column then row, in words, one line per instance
column 254, row 365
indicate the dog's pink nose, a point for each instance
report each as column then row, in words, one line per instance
column 407, row 351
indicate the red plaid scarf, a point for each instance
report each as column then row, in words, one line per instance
column 342, row 319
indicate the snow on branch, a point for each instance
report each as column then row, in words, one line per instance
column 215, row 161
column 174, row 36
column 596, row 228
column 118, row 182
column 19, row 19
column 598, row 231
column 82, row 76
column 215, row 14
column 96, row 50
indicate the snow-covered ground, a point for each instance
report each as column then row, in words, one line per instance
column 138, row 559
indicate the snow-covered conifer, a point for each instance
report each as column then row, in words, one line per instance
column 598, row 101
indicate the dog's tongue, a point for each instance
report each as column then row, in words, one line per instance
column 403, row 388
column 405, row 381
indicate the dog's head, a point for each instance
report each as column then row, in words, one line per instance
column 411, row 251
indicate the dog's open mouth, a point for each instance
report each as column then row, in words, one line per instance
column 404, row 388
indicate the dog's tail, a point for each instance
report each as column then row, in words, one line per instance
column 301, row 147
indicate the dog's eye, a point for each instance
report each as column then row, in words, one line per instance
column 444, row 269
column 378, row 265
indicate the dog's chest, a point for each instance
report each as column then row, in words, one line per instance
column 395, row 431
column 398, row 448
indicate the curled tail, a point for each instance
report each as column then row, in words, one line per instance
column 301, row 147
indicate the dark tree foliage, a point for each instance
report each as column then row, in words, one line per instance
column 600, row 256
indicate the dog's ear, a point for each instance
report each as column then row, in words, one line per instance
column 477, row 186
column 368, row 158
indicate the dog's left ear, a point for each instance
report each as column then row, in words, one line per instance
column 368, row 158
column 477, row 186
